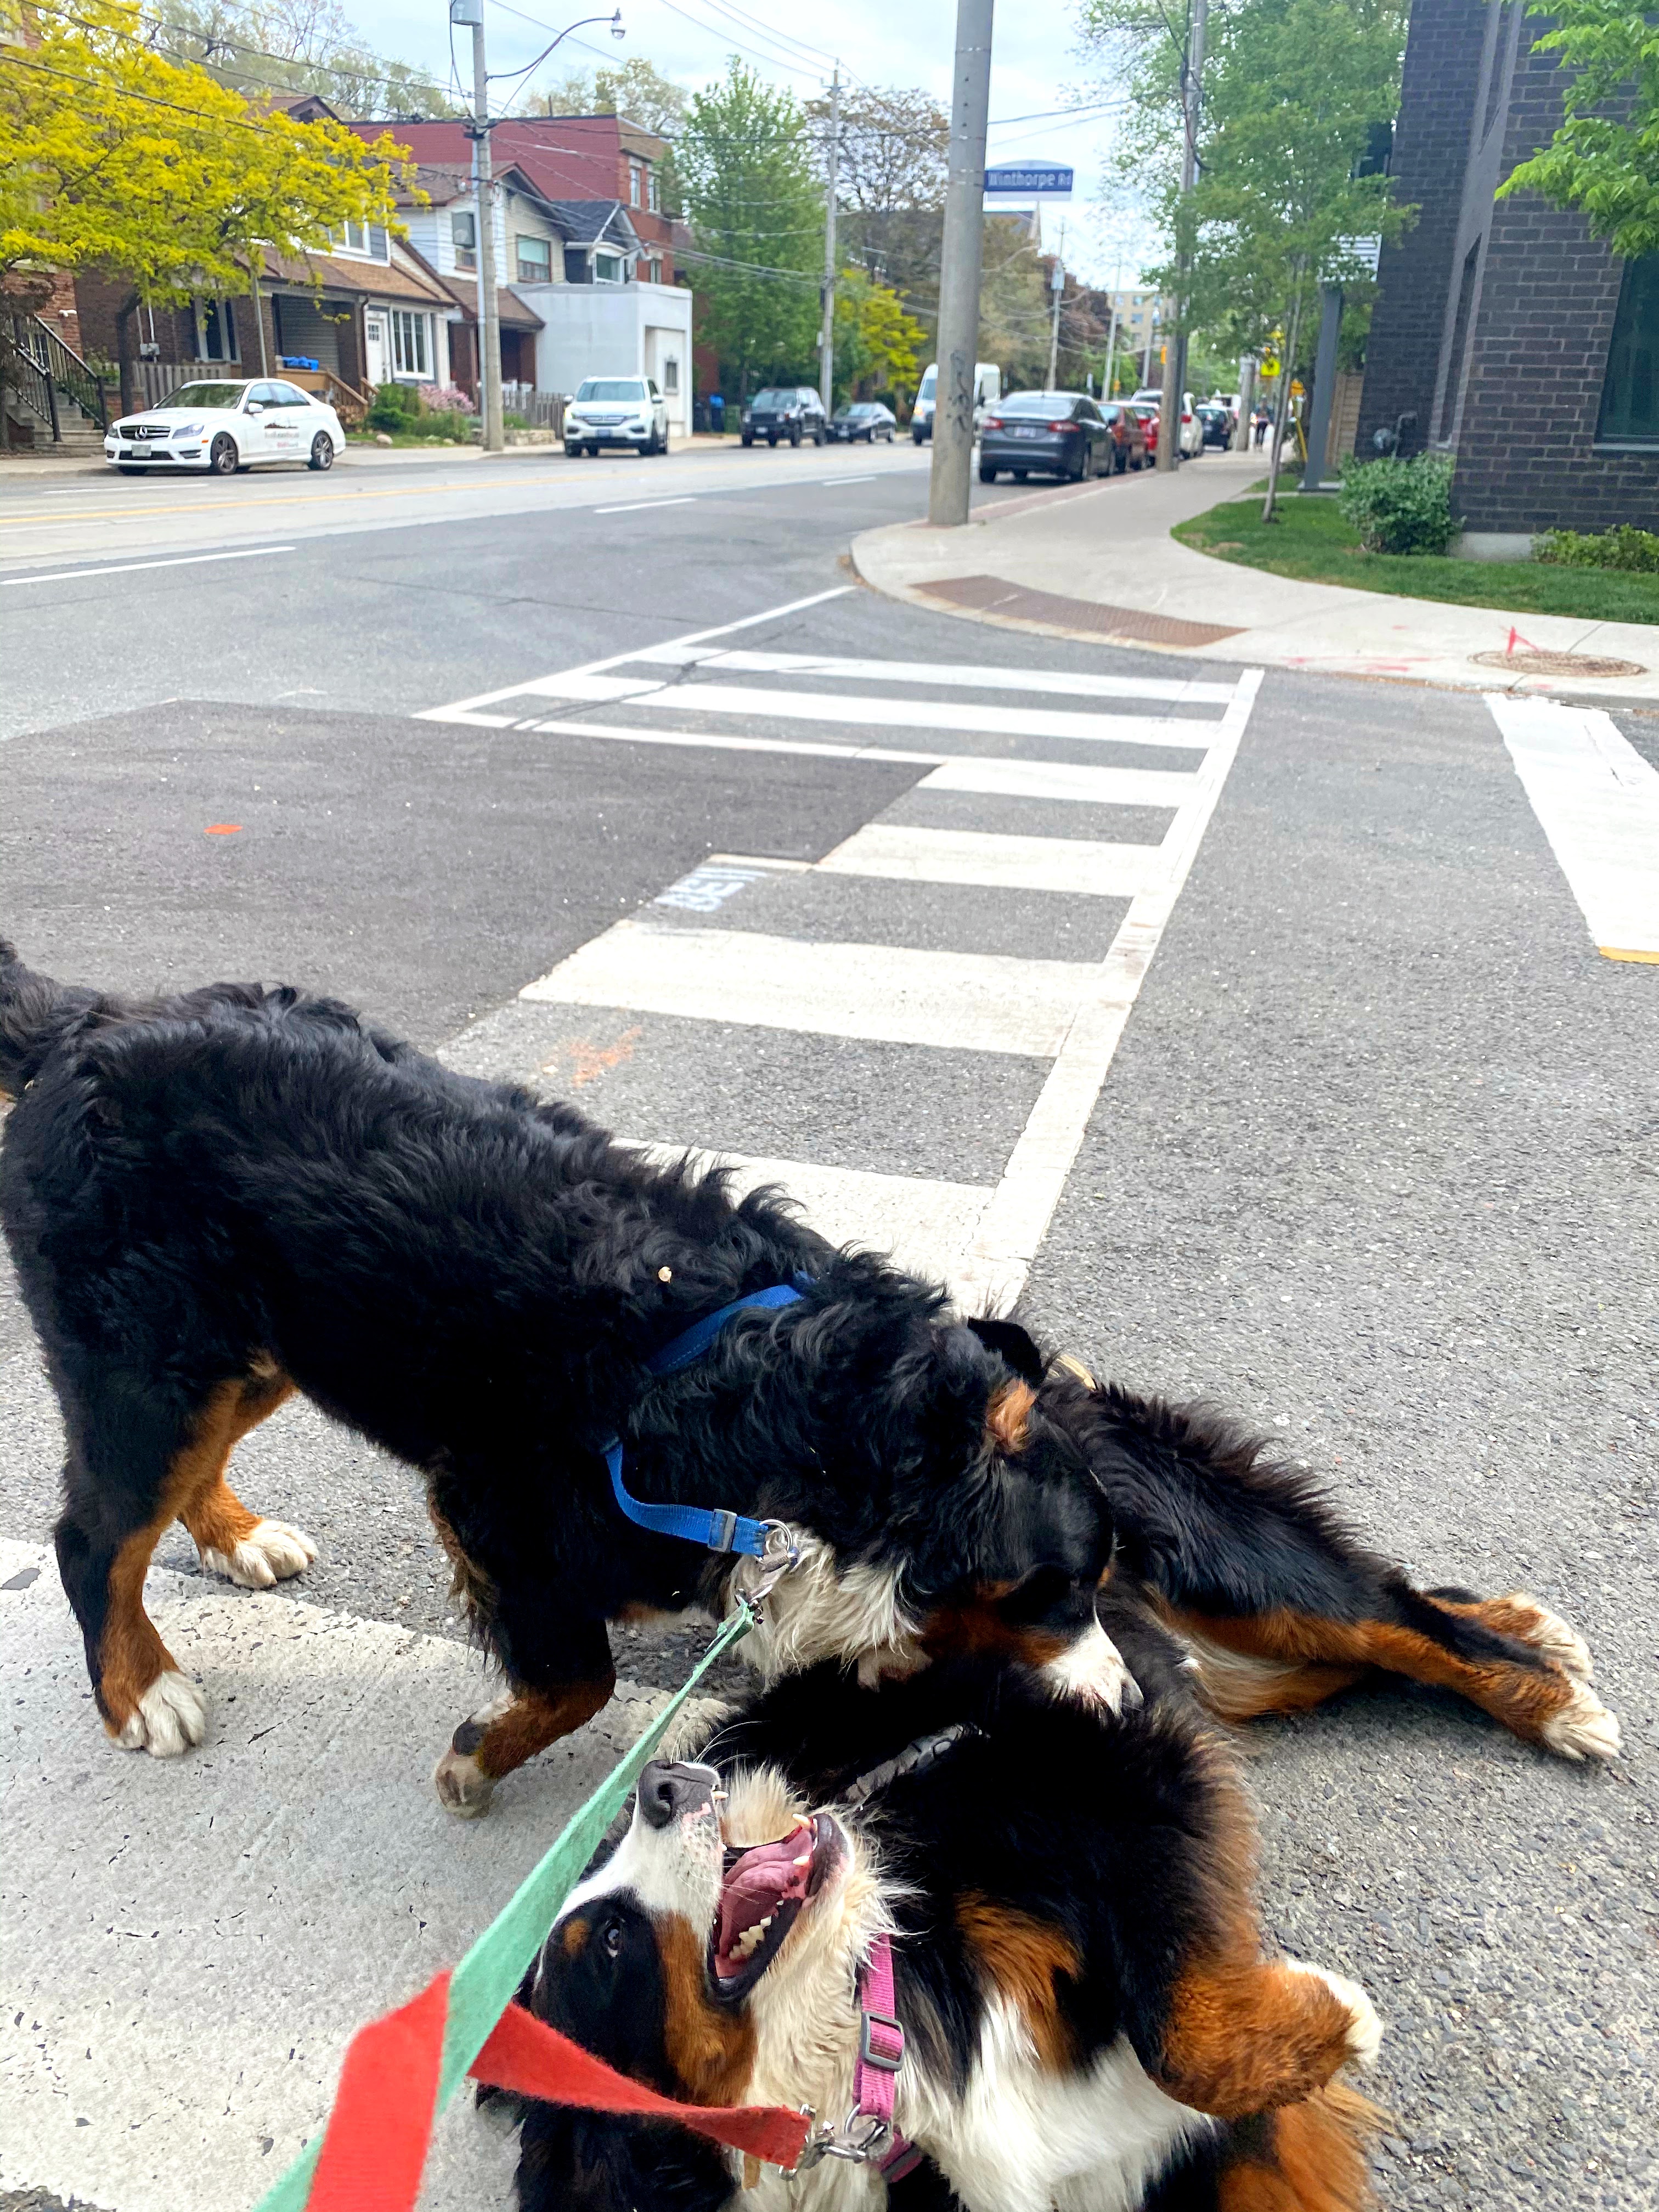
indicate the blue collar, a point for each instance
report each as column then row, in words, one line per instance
column 713, row 1527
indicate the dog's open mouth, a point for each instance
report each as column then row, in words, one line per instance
column 762, row 1894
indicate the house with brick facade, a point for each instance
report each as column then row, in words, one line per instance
column 1504, row 333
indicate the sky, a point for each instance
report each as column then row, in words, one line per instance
column 1035, row 69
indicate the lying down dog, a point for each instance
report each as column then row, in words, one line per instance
column 216, row 1199
column 1088, row 2021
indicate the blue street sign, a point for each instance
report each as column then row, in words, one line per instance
column 1023, row 178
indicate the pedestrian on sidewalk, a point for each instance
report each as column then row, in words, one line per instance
column 1260, row 420
column 717, row 413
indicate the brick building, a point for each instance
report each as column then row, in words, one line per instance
column 1518, row 341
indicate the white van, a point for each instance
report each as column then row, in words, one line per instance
column 988, row 390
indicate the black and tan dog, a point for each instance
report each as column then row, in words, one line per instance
column 1090, row 2021
column 217, row 1199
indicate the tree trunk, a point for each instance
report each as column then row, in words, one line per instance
column 1286, row 377
column 126, row 352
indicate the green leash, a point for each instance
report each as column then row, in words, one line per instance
column 487, row 1977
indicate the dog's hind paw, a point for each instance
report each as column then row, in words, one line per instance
column 1364, row 2036
column 1550, row 1635
column 1583, row 1728
column 170, row 1717
column 270, row 1552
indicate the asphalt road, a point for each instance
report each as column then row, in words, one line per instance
column 1375, row 1163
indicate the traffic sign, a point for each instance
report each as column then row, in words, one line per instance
column 1022, row 179
column 1270, row 364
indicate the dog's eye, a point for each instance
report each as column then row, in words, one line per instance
column 612, row 1936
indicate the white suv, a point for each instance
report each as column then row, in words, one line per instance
column 617, row 410
column 1190, row 443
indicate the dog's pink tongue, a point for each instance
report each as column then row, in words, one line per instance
column 761, row 1880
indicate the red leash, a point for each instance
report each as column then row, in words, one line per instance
column 375, row 2147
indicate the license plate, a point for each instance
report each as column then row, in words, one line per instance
column 1023, row 430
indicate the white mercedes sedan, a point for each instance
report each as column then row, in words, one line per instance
column 220, row 427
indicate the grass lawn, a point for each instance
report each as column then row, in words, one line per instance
column 1311, row 540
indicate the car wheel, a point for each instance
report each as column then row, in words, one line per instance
column 987, row 475
column 221, row 455
column 916, row 437
column 322, row 451
column 746, row 440
column 1019, row 475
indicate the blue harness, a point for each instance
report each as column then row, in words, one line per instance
column 713, row 1527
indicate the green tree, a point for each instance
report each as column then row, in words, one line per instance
column 877, row 342
column 1604, row 157
column 756, row 208
column 114, row 158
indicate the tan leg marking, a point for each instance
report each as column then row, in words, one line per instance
column 1245, row 2037
column 232, row 1541
column 1315, row 2161
column 503, row 1735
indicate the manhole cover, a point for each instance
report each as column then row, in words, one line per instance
column 1556, row 663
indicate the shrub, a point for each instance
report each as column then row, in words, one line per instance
column 1625, row 547
column 1399, row 506
column 394, row 408
column 445, row 399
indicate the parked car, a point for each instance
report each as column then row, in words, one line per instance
column 1130, row 449
column 617, row 410
column 220, row 426
column 1190, row 443
column 1056, row 434
column 866, row 418
column 1148, row 421
column 787, row 410
column 1216, row 424
column 987, row 391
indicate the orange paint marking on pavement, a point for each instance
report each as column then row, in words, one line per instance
column 222, row 829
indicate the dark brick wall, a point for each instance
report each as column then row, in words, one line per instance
column 1432, row 153
column 1526, row 447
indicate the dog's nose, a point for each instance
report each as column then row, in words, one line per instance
column 669, row 1790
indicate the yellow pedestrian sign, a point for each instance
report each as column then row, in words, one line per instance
column 1270, row 364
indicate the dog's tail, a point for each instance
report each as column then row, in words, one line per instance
column 35, row 1015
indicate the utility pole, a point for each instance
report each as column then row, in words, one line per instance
column 827, row 338
column 1175, row 347
column 960, row 259
column 1057, row 286
column 483, row 185
column 1111, row 355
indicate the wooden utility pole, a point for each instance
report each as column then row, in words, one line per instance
column 827, row 336
column 960, row 260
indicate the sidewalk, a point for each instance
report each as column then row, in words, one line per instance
column 1097, row 561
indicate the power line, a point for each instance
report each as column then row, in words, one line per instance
column 742, row 17
column 772, row 60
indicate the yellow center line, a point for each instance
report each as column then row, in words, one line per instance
column 284, row 498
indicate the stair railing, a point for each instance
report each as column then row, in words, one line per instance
column 68, row 372
column 25, row 374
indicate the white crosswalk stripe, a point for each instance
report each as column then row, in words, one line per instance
column 745, row 946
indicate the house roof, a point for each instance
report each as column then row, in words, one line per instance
column 444, row 182
column 403, row 278
column 511, row 311
column 585, row 221
column 564, row 156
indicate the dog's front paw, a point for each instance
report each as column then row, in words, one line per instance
column 270, row 1552
column 170, row 1717
column 464, row 1788
column 1364, row 2034
column 1091, row 1672
column 1583, row 1728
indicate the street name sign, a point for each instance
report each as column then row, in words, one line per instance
column 1021, row 180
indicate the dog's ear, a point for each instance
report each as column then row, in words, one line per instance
column 1011, row 1345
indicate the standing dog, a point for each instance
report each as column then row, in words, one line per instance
column 216, row 1200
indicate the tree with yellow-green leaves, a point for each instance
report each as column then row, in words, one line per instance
column 115, row 158
column 876, row 343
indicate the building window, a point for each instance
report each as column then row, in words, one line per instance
column 535, row 260
column 653, row 270
column 670, row 375
column 363, row 241
column 607, row 269
column 1460, row 343
column 411, row 347
column 1630, row 394
column 215, row 331
column 463, row 237
column 636, row 183
column 652, row 190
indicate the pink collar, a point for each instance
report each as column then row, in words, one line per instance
column 881, row 2053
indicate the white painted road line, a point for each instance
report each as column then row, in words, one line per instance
column 1598, row 802
column 1061, row 780
column 190, row 1943
column 919, row 1221
column 965, row 1001
column 717, row 741
column 834, row 482
column 640, row 506
column 1074, row 865
column 464, row 710
column 132, row 568
column 1015, row 1222
column 966, row 674
column 963, row 717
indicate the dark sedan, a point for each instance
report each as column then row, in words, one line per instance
column 1048, row 434
column 866, row 418
column 1129, row 446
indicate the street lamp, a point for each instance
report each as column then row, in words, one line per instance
column 482, row 123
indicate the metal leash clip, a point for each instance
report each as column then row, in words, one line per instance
column 781, row 1556
column 860, row 2137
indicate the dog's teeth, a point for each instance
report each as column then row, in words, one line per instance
column 805, row 1859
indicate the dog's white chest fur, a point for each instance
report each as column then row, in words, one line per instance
column 1026, row 2139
